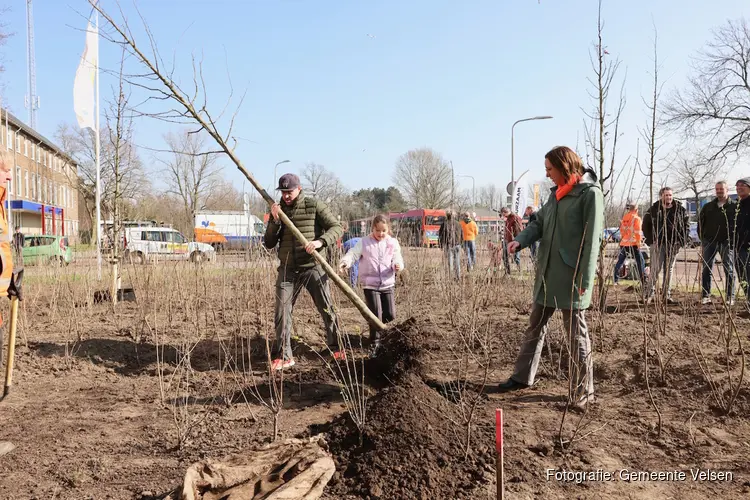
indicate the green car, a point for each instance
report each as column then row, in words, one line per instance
column 47, row 250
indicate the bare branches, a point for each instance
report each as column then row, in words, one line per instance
column 602, row 120
column 651, row 134
column 697, row 176
column 715, row 107
column 192, row 173
column 425, row 177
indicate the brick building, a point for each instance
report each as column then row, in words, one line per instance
column 43, row 197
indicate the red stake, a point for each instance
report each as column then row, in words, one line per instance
column 499, row 448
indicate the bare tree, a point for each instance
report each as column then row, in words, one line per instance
column 490, row 196
column 715, row 107
column 425, row 178
column 324, row 185
column 697, row 176
column 603, row 129
column 651, row 133
column 119, row 160
column 225, row 197
column 193, row 174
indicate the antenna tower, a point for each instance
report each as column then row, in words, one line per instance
column 32, row 100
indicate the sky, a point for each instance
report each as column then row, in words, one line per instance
column 352, row 85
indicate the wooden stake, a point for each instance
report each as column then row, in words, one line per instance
column 11, row 345
column 500, row 458
column 115, row 281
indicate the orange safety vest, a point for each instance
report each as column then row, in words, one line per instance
column 630, row 230
column 6, row 257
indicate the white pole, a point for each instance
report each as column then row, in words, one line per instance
column 98, row 168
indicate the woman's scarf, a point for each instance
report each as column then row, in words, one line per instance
column 566, row 187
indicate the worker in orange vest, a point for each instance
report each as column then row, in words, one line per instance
column 630, row 241
column 7, row 273
column 470, row 232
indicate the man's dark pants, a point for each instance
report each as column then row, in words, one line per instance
column 289, row 285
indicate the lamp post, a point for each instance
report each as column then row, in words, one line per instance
column 275, row 177
column 512, row 159
column 473, row 190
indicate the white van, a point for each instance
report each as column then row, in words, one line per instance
column 150, row 244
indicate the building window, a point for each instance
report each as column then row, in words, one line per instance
column 18, row 142
column 25, row 147
column 33, row 150
column 26, row 184
column 19, row 185
column 44, row 190
column 8, row 139
column 44, row 157
column 33, row 186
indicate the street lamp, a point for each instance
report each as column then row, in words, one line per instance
column 512, row 160
column 473, row 189
column 275, row 178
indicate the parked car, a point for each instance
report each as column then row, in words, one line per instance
column 612, row 234
column 47, row 249
column 145, row 244
column 693, row 239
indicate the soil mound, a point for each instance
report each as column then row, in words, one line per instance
column 410, row 449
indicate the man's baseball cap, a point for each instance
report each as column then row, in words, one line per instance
column 745, row 181
column 288, row 182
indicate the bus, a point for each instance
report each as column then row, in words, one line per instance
column 415, row 228
column 418, row 228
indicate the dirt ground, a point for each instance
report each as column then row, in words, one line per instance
column 116, row 404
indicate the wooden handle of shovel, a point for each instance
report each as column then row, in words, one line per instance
column 11, row 345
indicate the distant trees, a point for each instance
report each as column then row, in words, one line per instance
column 714, row 109
column 192, row 173
column 425, row 178
column 371, row 201
column 490, row 197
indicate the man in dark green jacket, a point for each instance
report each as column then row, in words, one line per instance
column 298, row 268
column 716, row 231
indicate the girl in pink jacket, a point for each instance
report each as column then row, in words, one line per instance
column 379, row 257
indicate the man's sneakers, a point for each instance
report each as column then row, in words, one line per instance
column 280, row 364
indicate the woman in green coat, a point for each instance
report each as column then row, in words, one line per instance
column 569, row 230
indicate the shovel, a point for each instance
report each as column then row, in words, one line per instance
column 15, row 296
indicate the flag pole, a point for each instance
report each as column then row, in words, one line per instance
column 98, row 167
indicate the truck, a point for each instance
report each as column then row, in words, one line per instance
column 228, row 229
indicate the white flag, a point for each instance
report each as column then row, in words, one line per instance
column 519, row 197
column 84, row 87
